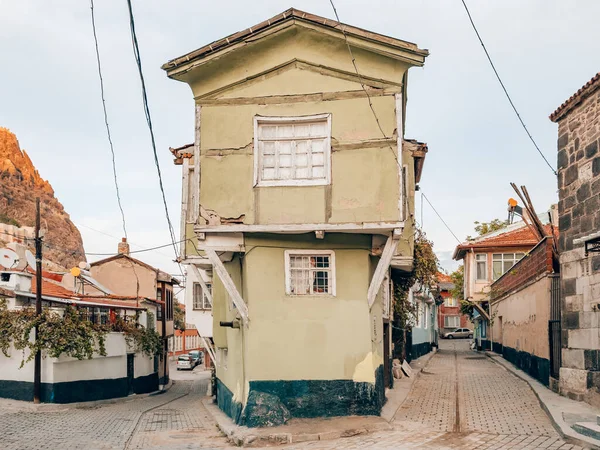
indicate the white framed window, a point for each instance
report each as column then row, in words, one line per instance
column 502, row 262
column 292, row 151
column 201, row 300
column 425, row 314
column 450, row 301
column 451, row 321
column 309, row 272
column 481, row 263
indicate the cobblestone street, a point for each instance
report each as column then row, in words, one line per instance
column 461, row 400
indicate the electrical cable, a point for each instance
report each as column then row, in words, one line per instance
column 440, row 217
column 112, row 150
column 138, row 61
column 505, row 90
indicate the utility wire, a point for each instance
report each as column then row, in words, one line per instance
column 505, row 90
column 136, row 52
column 360, row 79
column 438, row 214
column 112, row 150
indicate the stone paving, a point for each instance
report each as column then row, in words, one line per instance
column 461, row 400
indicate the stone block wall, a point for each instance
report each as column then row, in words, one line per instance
column 579, row 216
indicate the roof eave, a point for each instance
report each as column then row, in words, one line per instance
column 288, row 15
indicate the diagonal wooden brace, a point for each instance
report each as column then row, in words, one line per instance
column 223, row 275
column 205, row 289
column 382, row 268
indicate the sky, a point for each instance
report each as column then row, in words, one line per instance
column 50, row 98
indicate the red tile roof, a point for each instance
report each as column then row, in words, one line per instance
column 584, row 92
column 443, row 278
column 51, row 289
column 187, row 332
column 521, row 237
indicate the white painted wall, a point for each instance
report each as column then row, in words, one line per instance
column 203, row 320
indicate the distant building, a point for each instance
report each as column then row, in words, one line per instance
column 128, row 276
column 65, row 380
column 449, row 315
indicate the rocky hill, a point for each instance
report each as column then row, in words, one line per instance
column 20, row 184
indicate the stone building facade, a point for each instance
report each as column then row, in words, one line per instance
column 579, row 222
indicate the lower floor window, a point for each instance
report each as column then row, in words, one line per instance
column 452, row 321
column 310, row 272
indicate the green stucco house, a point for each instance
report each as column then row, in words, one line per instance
column 298, row 195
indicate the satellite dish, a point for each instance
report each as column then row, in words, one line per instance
column 30, row 259
column 19, row 249
column 84, row 265
column 8, row 258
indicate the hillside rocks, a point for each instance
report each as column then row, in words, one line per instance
column 20, row 184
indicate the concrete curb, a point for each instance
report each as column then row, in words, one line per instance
column 398, row 395
column 553, row 405
column 54, row 407
column 248, row 437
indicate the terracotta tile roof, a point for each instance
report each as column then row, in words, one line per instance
column 584, row 92
column 290, row 14
column 187, row 332
column 6, row 293
column 51, row 289
column 443, row 278
column 521, row 237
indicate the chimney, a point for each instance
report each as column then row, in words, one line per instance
column 123, row 248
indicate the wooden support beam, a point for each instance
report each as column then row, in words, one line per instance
column 382, row 268
column 202, row 283
column 223, row 275
column 211, row 350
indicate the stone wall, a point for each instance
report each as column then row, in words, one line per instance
column 579, row 216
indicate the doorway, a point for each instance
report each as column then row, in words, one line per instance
column 130, row 371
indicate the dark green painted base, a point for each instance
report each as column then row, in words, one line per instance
column 497, row 347
column 418, row 350
column 226, row 403
column 78, row 391
column 538, row 368
column 314, row 398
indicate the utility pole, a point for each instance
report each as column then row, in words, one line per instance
column 37, row 370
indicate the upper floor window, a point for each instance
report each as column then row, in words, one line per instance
column 292, row 151
column 310, row 272
column 450, row 301
column 201, row 300
column 481, row 262
column 451, row 321
column 502, row 262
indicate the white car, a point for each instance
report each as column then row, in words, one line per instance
column 185, row 362
column 459, row 333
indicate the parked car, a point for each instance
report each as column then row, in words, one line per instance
column 459, row 333
column 196, row 356
column 185, row 362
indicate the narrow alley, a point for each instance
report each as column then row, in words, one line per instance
column 461, row 400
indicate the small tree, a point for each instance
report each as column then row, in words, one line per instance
column 178, row 316
column 487, row 227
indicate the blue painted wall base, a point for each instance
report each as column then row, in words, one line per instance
column 418, row 350
column 78, row 391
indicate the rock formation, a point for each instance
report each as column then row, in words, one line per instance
column 20, row 184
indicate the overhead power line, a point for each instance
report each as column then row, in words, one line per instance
column 112, row 150
column 138, row 61
column 440, row 217
column 489, row 58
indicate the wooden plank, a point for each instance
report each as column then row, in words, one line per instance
column 383, row 227
column 382, row 267
column 223, row 275
column 211, row 351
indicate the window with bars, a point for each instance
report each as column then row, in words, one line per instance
column 310, row 272
column 292, row 151
column 481, row 262
column 502, row 262
column 451, row 321
column 201, row 300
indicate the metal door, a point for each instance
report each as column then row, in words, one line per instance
column 130, row 368
column 554, row 327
